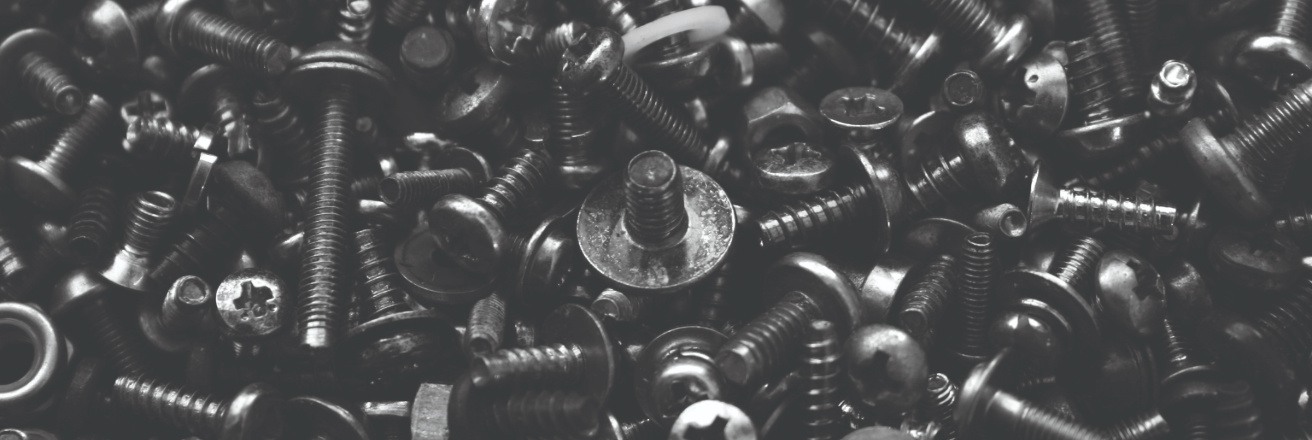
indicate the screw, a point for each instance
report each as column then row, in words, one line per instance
column 44, row 179
column 487, row 323
column 39, row 60
column 1102, row 131
column 1002, row 220
column 162, row 138
column 616, row 305
column 1261, row 261
column 940, row 405
column 528, row 413
column 475, row 109
column 405, row 14
column 87, row 298
column 216, row 94
column 1172, row 90
column 254, row 413
column 984, row 160
column 180, row 25
column 984, row 402
column 594, row 64
column 279, row 124
column 1277, row 51
column 1062, row 312
column 713, row 296
column 674, row 371
column 574, row 350
column 1284, row 319
column 115, row 38
column 471, row 230
column 94, row 223
column 149, row 216
column 173, row 325
column 977, row 273
column 743, row 64
column 863, row 115
column 1294, row 220
column 712, row 419
column 1108, row 32
column 823, row 417
column 147, row 104
column 1086, row 209
column 20, row 136
column 355, row 22
column 427, row 56
column 925, row 299
column 16, row 264
column 251, row 305
column 803, row 223
column 888, row 369
column 466, row 170
column 570, row 141
column 998, row 42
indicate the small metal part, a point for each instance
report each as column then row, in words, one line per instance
column 175, row 325
column 316, row 417
column 1131, row 293
column 1260, row 261
column 985, row 401
column 1004, row 220
column 574, row 347
column 251, row 305
column 712, row 419
column 1172, row 91
column 865, row 116
column 432, row 278
column 34, row 358
column 676, row 370
column 429, row 410
column 888, row 368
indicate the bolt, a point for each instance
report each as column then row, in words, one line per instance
column 984, row 402
column 888, row 368
column 487, row 323
column 594, row 64
column 1053, row 309
column 876, row 196
column 94, row 224
column 355, row 22
column 43, row 180
column 1172, row 91
column 674, row 371
column 174, row 325
column 39, row 60
column 165, row 139
column 471, row 230
column 149, row 216
column 673, row 250
column 180, row 25
column 1086, row 209
column 863, row 115
column 574, row 351
column 712, row 420
column 252, row 307
column 254, row 413
column 998, row 42
column 466, row 170
column 868, row 23
column 427, row 56
column 807, row 288
column 926, row 299
column 983, row 160
column 823, row 417
column 1247, row 169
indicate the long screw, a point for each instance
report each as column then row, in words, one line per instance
column 181, row 25
column 1268, row 141
column 977, row 271
column 200, row 413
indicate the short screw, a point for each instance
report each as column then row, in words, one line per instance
column 355, row 22
column 254, row 413
column 870, row 23
column 466, row 170
column 181, row 25
column 983, row 402
column 1004, row 221
column 971, row 311
column 926, row 299
column 172, row 326
column 94, row 224
column 1086, row 209
column 83, row 296
column 44, row 179
column 574, row 350
column 616, row 305
column 984, row 160
column 864, row 116
column 940, row 404
column 823, row 418
column 40, row 61
column 149, row 216
column 998, row 42
column 808, row 221
column 487, row 325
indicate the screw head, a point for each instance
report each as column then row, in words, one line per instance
column 1012, row 42
column 1223, row 172
column 1071, row 307
column 474, row 98
column 977, row 392
column 1131, row 292
column 1035, row 98
column 321, row 418
column 675, row 370
column 932, row 236
column 433, row 278
column 994, row 159
column 1045, row 197
column 106, row 34
column 1264, row 261
column 815, row 277
column 1263, row 55
column 507, row 30
column 80, row 287
column 170, row 16
column 336, row 62
column 713, row 420
column 794, row 168
column 590, row 61
column 861, row 108
column 251, row 304
column 552, row 252
column 1023, row 330
column 470, row 233
column 255, row 413
column 888, row 368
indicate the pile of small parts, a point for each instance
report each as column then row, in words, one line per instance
column 655, row 219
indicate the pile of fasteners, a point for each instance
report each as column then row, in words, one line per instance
column 655, row 219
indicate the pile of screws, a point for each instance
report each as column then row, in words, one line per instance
column 655, row 219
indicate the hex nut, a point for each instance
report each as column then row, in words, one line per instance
column 779, row 114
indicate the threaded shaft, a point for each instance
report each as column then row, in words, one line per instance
column 1146, row 426
column 1268, row 141
column 160, row 138
column 768, row 342
column 149, row 216
column 143, row 16
column 556, row 39
column 1236, row 416
column 941, row 404
column 653, row 199
column 546, row 414
column 225, row 40
column 651, row 117
column 823, row 417
column 178, row 407
column 16, row 267
column 278, row 122
column 110, row 331
column 924, row 302
column 556, row 366
column 325, row 254
column 185, row 304
column 378, row 276
column 421, row 189
column 521, row 180
column 972, row 20
column 487, row 322
column 938, row 181
column 864, row 21
column 1106, row 24
column 404, row 14
column 1295, row 221
column 94, row 222
column 1180, row 353
column 1077, row 261
column 215, row 236
column 712, row 297
column 355, row 22
column 1090, row 78
column 641, row 429
column 620, row 15
column 1140, row 213
column 76, row 139
column 570, row 128
column 1141, row 157
column 977, row 271
column 1291, row 18
column 805, row 222
column 1287, row 319
column 50, row 84
column 1141, row 19
column 20, row 136
column 1023, row 420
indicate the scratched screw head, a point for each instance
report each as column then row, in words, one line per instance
column 1264, row 261
column 1131, row 292
column 675, row 370
column 590, row 62
column 713, row 419
column 251, row 304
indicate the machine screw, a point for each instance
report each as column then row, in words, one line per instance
column 355, row 22
column 39, row 60
column 163, row 138
column 926, row 299
column 823, row 417
column 1088, row 209
column 889, row 370
column 877, row 196
column 863, row 115
column 251, row 306
column 472, row 230
column 44, row 180
column 487, row 324
column 674, row 370
column 254, row 413
column 149, row 216
column 983, row 160
column 712, row 419
column 94, row 223
column 474, row 108
column 941, row 404
column 181, row 25
column 573, row 129
column 977, row 273
column 867, row 22
column 528, row 413
column 998, row 42
column 1108, row 32
column 574, row 350
column 20, row 136
column 85, row 296
column 984, row 402
column 466, row 170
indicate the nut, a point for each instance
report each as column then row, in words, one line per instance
column 779, row 115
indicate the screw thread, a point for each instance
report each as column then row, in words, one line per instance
column 1291, row 19
column 620, row 15
column 802, row 223
column 50, row 84
column 1141, row 18
column 1077, row 261
column 973, row 20
column 1288, row 320
column 1236, row 415
column 941, row 404
column 93, row 222
column 487, row 323
column 560, row 365
column 355, row 22
column 925, row 301
column 1139, row 213
column 149, row 217
column 143, row 16
column 1268, row 141
column 160, row 138
column 229, row 112
column 326, row 250
column 1141, row 157
column 405, row 14
column 76, row 139
column 220, row 38
column 378, row 276
column 616, row 305
column 1295, row 221
column 521, row 180
column 1090, row 79
column 1108, row 26
column 1180, row 354
column 653, row 199
column 571, row 124
column 712, row 297
column 555, row 40
column 977, row 271
column 169, row 404
column 110, row 332
column 769, row 341
column 1146, row 426
column 651, row 117
column 863, row 20
column 938, row 181
column 215, row 236
column 15, row 263
column 365, row 187
column 421, row 189
column 1025, row 421
column 280, row 125
column 185, row 304
column 21, row 135
column 823, row 418
column 544, row 414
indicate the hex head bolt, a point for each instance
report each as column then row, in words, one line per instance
column 172, row 326
column 574, row 351
column 39, row 60
column 983, row 159
column 868, row 22
column 926, row 299
column 1248, row 168
column 472, row 230
column 254, row 413
column 675, row 225
column 594, row 64
column 998, row 42
column 44, row 179
column 338, row 75
column 807, row 288
column 823, row 418
column 984, row 402
column 863, row 115
column 465, row 170
column 876, row 196
column 1051, row 310
column 386, row 318
column 181, row 26
column 1087, row 209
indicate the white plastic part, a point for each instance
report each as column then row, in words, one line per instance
column 703, row 23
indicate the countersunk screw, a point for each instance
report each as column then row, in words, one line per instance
column 94, row 224
column 984, row 402
column 977, row 273
column 39, row 60
column 1087, row 209
column 927, row 299
column 254, row 413
column 594, row 64
column 149, row 216
column 85, row 296
column 870, row 23
column 181, row 25
column 999, row 43
column 574, row 350
column 464, row 171
column 823, row 418
column 45, row 180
